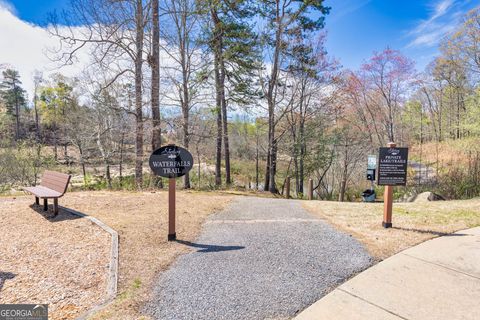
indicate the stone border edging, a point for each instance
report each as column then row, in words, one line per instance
column 113, row 268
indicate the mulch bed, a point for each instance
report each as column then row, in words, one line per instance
column 62, row 261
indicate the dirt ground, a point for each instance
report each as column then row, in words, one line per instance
column 413, row 223
column 61, row 261
column 140, row 218
column 67, row 258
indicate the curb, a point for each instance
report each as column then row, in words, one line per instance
column 113, row 268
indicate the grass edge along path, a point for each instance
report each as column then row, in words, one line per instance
column 413, row 222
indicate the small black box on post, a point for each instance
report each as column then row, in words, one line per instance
column 371, row 174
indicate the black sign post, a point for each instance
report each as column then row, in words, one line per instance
column 392, row 171
column 171, row 162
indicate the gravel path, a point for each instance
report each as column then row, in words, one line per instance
column 258, row 259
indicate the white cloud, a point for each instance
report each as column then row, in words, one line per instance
column 345, row 8
column 24, row 47
column 443, row 18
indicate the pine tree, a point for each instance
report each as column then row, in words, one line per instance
column 236, row 56
column 285, row 19
column 13, row 96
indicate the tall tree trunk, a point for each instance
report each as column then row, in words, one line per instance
column 186, row 142
column 55, row 150
column 35, row 108
column 17, row 113
column 301, row 160
column 273, row 167
column 82, row 164
column 224, row 110
column 256, row 161
column 65, row 153
column 266, row 182
column 120, row 165
column 185, row 94
column 138, row 94
column 108, row 176
column 218, row 162
column 155, row 94
column 271, row 101
column 298, row 187
column 218, row 98
column 197, row 148
column 343, row 183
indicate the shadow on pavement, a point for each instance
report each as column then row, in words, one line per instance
column 433, row 232
column 209, row 247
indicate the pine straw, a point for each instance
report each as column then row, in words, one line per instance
column 413, row 223
column 65, row 263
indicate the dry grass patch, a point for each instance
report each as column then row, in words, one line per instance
column 413, row 223
column 140, row 218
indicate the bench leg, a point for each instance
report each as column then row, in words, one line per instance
column 55, row 207
column 45, row 204
column 37, row 201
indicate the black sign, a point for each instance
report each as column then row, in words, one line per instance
column 371, row 174
column 171, row 161
column 392, row 167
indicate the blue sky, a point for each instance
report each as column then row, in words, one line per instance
column 355, row 28
column 36, row 11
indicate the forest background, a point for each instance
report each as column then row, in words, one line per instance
column 250, row 89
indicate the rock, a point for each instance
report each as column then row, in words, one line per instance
column 428, row 196
column 435, row 197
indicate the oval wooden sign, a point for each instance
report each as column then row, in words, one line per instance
column 171, row 161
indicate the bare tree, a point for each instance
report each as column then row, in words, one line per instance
column 114, row 34
column 154, row 61
column 186, row 61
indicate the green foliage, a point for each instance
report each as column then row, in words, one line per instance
column 11, row 92
column 231, row 36
column 22, row 164
column 55, row 102
column 472, row 111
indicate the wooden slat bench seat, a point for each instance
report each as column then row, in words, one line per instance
column 52, row 186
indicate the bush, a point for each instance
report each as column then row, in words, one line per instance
column 22, row 164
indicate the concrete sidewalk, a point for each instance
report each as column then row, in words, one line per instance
column 438, row 279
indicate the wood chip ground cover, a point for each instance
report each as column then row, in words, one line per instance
column 61, row 261
column 140, row 218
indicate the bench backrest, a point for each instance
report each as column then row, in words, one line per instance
column 56, row 181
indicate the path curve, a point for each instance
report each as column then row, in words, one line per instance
column 258, row 259
column 435, row 280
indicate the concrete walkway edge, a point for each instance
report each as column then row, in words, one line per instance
column 438, row 279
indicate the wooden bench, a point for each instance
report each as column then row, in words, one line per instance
column 52, row 186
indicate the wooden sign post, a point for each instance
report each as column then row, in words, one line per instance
column 310, row 189
column 392, row 171
column 387, row 207
column 172, row 234
column 287, row 188
column 171, row 162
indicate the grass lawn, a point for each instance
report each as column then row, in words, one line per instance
column 412, row 222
